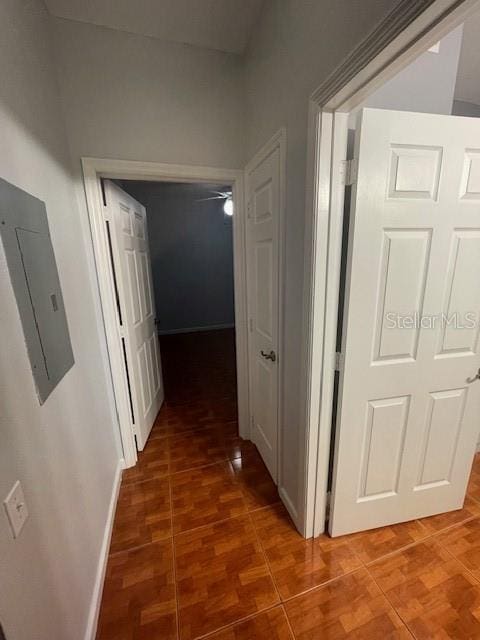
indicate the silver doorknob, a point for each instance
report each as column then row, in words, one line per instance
column 477, row 377
column 269, row 356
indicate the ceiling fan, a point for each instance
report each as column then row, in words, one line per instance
column 222, row 195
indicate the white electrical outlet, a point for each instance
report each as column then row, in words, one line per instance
column 16, row 509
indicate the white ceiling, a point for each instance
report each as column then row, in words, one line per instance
column 468, row 77
column 216, row 24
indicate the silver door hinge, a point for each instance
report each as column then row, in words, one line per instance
column 250, row 324
column 338, row 361
column 249, row 209
column 348, row 171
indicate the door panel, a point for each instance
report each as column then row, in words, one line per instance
column 402, row 287
column 263, row 189
column 132, row 267
column 409, row 407
column 383, row 444
column 462, row 293
column 444, row 419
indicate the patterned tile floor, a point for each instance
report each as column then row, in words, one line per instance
column 202, row 546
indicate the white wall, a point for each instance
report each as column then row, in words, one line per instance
column 64, row 452
column 132, row 97
column 191, row 252
column 297, row 43
column 427, row 85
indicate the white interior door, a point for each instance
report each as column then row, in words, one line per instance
column 136, row 307
column 409, row 401
column 263, row 194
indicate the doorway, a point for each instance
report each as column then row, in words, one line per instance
column 96, row 171
column 189, row 292
column 256, row 239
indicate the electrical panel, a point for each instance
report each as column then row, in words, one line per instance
column 33, row 272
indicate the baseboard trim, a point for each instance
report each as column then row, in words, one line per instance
column 92, row 622
column 212, row 327
column 285, row 498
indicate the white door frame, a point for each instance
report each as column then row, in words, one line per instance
column 278, row 140
column 93, row 170
column 409, row 30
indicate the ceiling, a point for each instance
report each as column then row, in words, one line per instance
column 468, row 78
column 216, row 24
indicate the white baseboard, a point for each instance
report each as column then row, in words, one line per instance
column 92, row 622
column 212, row 327
column 285, row 498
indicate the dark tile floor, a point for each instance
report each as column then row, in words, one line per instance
column 202, row 545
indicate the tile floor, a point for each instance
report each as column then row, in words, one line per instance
column 202, row 545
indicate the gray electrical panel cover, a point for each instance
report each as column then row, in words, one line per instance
column 33, row 272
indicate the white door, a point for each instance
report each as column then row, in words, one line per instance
column 409, row 412
column 263, row 194
column 136, row 307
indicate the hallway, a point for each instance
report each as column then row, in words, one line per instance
column 201, row 540
column 198, row 481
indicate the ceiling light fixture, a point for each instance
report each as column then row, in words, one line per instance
column 228, row 207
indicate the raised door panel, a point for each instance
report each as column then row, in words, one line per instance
column 155, row 381
column 265, row 418
column 470, row 186
column 462, row 295
column 262, row 202
column 402, row 279
column 133, row 292
column 143, row 368
column 384, row 438
column 147, row 306
column 264, row 273
column 444, row 418
column 414, row 171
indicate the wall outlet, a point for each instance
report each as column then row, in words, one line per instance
column 16, row 509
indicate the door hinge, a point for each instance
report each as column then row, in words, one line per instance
column 250, row 324
column 338, row 361
column 249, row 209
column 348, row 171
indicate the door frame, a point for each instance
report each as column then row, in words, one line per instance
column 408, row 31
column 277, row 141
column 94, row 169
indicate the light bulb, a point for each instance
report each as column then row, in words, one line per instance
column 228, row 207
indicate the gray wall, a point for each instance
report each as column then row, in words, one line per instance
column 139, row 98
column 427, row 85
column 191, row 252
column 462, row 108
column 64, row 452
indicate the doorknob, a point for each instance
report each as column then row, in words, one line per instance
column 477, row 377
column 269, row 356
